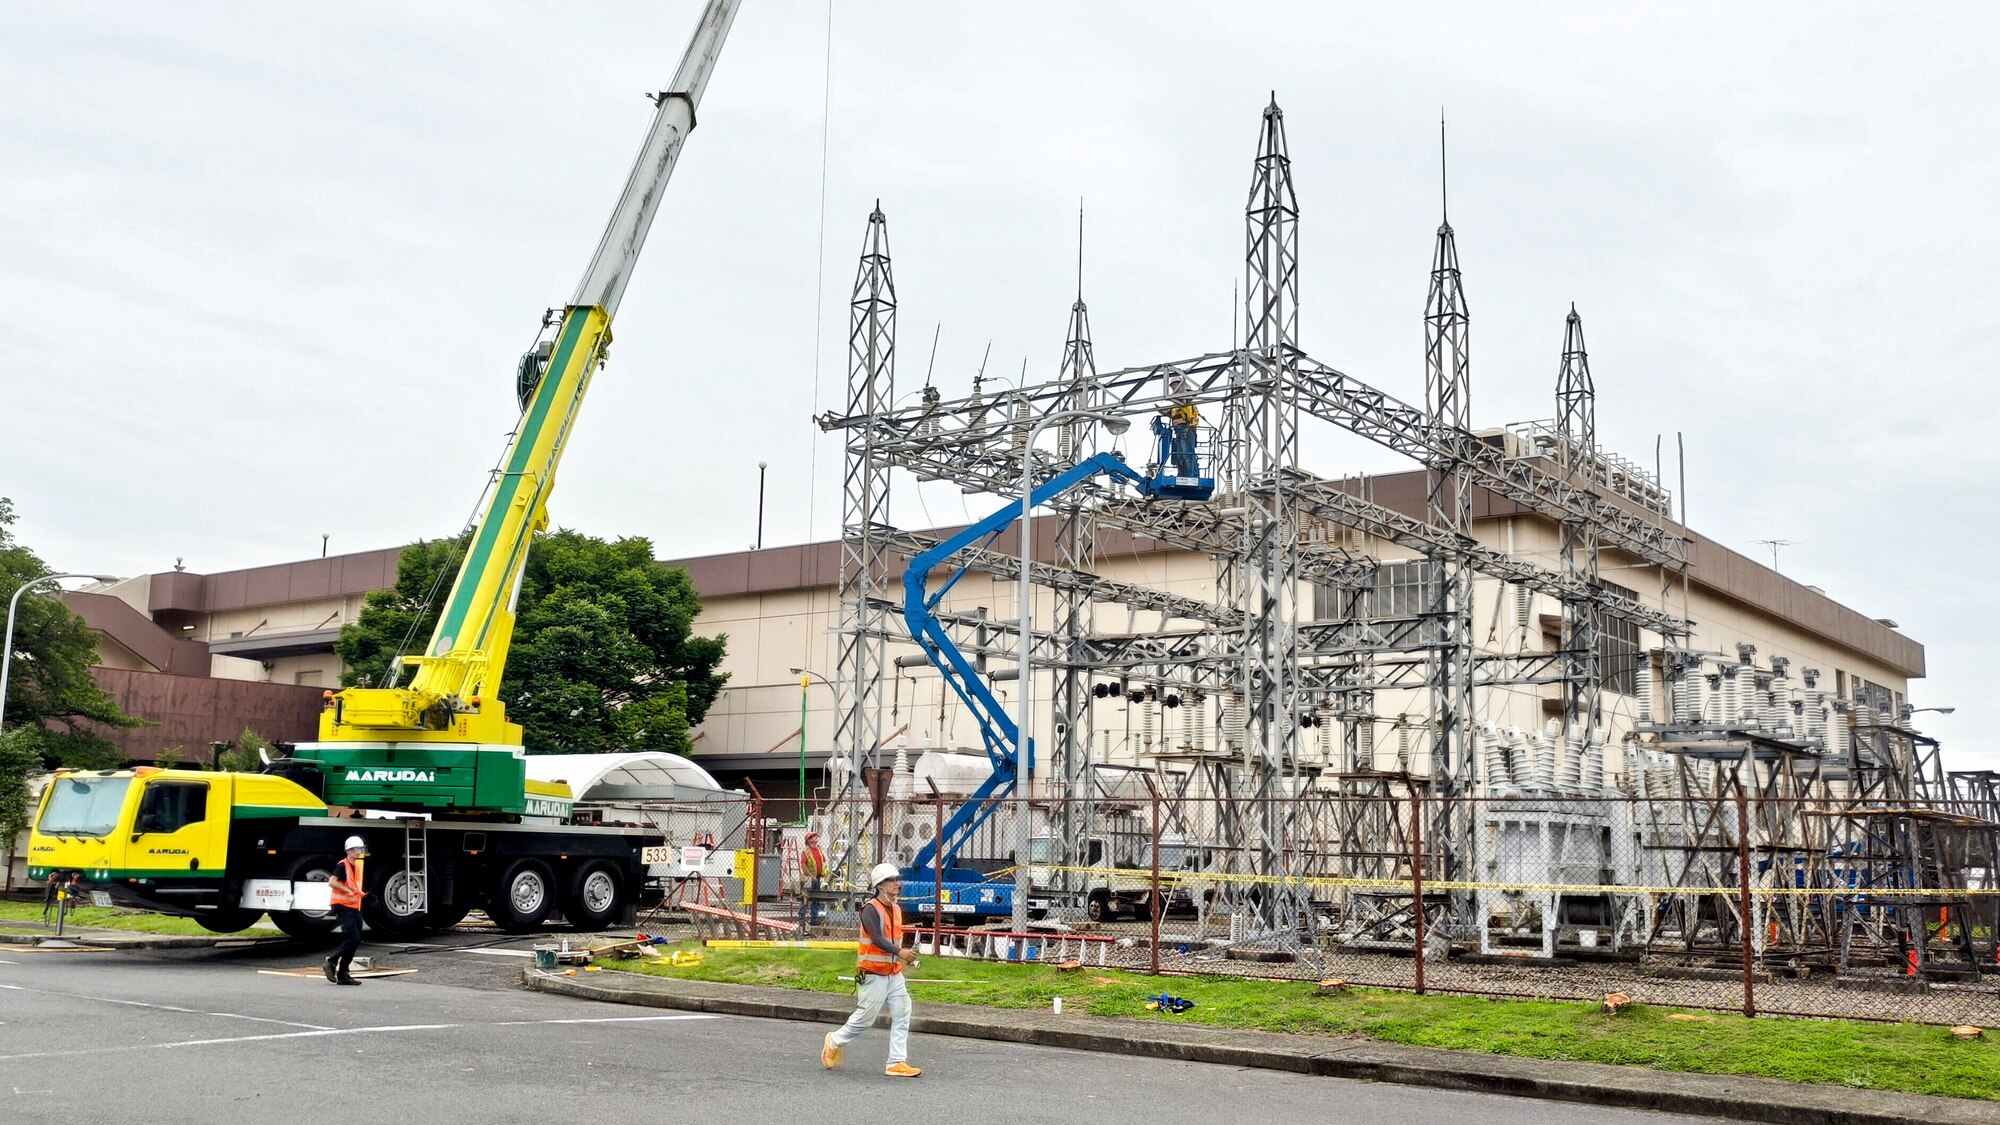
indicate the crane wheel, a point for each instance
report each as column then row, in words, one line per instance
column 307, row 925
column 227, row 921
column 523, row 897
column 596, row 896
column 395, row 907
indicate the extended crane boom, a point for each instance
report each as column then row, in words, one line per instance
column 426, row 744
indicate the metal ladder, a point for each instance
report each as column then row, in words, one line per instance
column 416, row 861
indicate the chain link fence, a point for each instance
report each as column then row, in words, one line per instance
column 1875, row 910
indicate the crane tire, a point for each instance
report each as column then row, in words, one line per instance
column 523, row 897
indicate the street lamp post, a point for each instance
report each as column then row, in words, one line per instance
column 1025, row 780
column 7, row 650
column 806, row 677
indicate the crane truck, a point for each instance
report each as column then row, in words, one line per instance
column 935, row 877
column 430, row 772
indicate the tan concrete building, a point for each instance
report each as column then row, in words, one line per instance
column 780, row 609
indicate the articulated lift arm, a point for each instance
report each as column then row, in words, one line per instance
column 451, row 696
column 997, row 729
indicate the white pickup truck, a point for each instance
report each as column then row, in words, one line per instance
column 1115, row 881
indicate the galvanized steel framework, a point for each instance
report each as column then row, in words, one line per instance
column 1247, row 668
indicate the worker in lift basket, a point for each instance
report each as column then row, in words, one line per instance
column 880, row 961
column 346, row 883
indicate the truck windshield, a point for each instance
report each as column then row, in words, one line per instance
column 84, row 806
column 1041, row 851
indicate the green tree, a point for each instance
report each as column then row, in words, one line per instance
column 49, row 683
column 604, row 655
column 243, row 757
column 54, row 707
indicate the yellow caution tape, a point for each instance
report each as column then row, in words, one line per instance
column 1170, row 880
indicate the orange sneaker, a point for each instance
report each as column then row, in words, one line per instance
column 829, row 1054
column 902, row 1070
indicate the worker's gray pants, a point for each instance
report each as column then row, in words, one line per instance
column 876, row 990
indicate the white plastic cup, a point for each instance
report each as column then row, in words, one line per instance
column 1057, row 1006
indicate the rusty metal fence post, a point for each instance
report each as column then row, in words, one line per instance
column 756, row 833
column 1159, row 904
column 1417, row 877
column 1748, row 927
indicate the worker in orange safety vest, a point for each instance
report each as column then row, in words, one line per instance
column 346, row 883
column 879, row 961
column 812, row 868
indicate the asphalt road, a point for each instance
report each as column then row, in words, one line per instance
column 204, row 1037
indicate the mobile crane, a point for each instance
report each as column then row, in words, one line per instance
column 934, row 872
column 226, row 848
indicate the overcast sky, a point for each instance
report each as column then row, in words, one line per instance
column 268, row 268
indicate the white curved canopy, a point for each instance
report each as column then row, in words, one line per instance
column 650, row 775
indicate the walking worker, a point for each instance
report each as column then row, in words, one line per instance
column 346, row 884
column 812, row 868
column 880, row 961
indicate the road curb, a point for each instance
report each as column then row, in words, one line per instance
column 1741, row 1098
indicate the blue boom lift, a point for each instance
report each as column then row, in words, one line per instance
column 1175, row 476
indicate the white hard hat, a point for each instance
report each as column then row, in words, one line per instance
column 354, row 842
column 882, row 873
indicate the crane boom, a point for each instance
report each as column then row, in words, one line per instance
column 450, row 698
column 603, row 284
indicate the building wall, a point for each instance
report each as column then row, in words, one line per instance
column 770, row 632
column 190, row 712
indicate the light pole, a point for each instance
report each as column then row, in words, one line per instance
column 761, row 466
column 806, row 677
column 7, row 651
column 1025, row 780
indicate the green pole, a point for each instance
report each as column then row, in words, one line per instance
column 805, row 684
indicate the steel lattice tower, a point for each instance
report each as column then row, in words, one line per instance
column 1576, row 452
column 1448, row 408
column 1076, row 551
column 1267, row 578
column 871, row 387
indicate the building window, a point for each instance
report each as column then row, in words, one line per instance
column 1403, row 589
column 1883, row 700
column 1400, row 589
column 1618, row 652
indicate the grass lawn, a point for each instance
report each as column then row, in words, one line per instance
column 103, row 917
column 1906, row 1057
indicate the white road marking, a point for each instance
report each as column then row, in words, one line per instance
column 236, row 1039
column 167, row 1007
column 323, row 1032
column 606, row 1019
column 9, row 962
column 501, row 952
